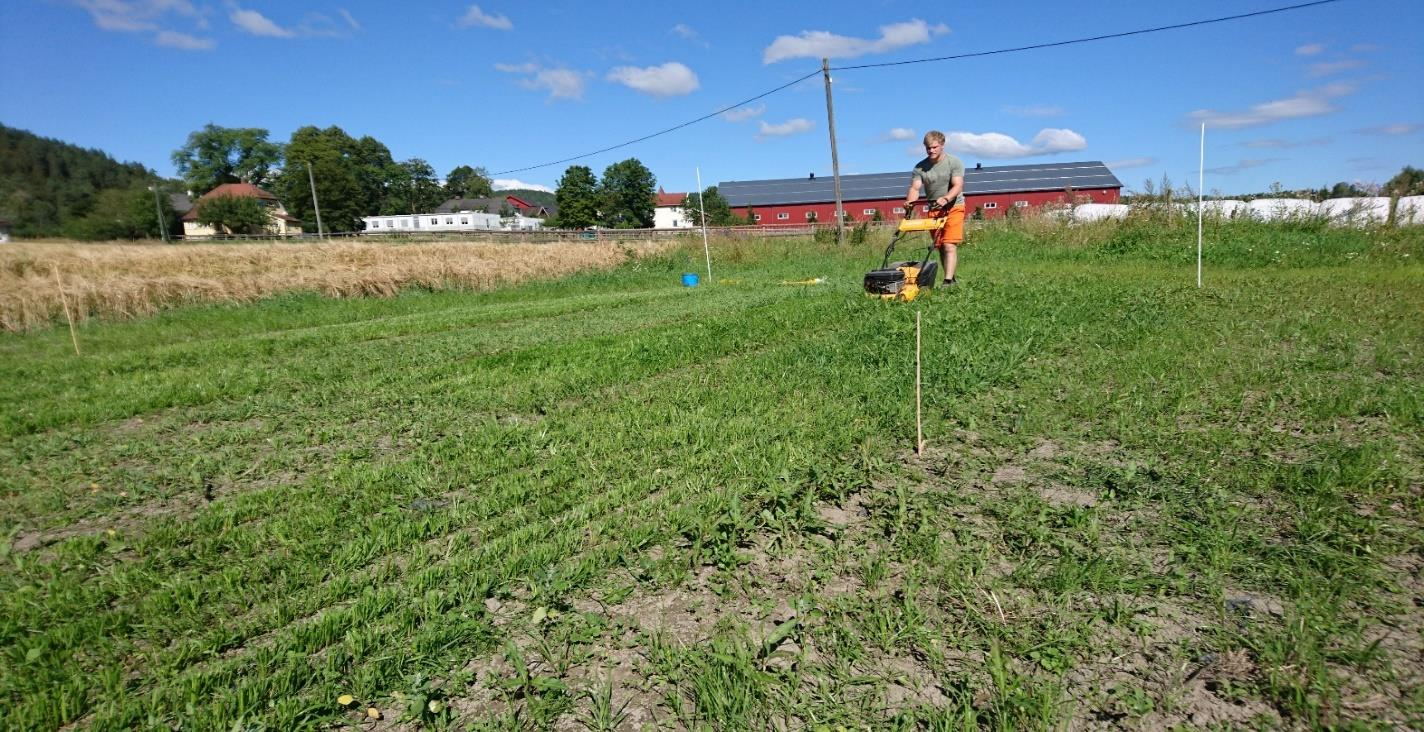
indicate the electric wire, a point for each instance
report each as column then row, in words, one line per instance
column 1090, row 39
column 666, row 131
column 976, row 54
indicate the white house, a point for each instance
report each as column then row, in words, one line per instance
column 278, row 220
column 448, row 222
column 669, row 213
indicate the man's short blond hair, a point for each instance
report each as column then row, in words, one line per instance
column 934, row 136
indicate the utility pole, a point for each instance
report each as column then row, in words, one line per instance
column 158, row 207
column 835, row 157
column 312, row 179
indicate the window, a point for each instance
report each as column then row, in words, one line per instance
column 449, row 219
column 1020, row 204
column 464, row 219
column 405, row 223
column 991, row 204
column 434, row 221
column 810, row 215
column 868, row 211
column 756, row 217
column 897, row 210
column 783, row 216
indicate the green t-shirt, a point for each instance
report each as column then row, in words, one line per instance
column 937, row 178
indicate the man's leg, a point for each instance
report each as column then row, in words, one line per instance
column 949, row 259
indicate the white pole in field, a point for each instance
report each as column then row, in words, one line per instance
column 919, row 426
column 1201, row 184
column 703, row 205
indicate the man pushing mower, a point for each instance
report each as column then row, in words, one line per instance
column 941, row 176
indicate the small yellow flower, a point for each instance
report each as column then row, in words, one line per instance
column 345, row 700
column 373, row 712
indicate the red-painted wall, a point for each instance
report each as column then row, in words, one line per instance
column 991, row 205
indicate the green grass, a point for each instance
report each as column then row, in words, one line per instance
column 611, row 501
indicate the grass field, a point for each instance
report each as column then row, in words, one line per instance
column 610, row 502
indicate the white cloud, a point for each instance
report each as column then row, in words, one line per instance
column 1245, row 164
column 136, row 15
column 1397, row 128
column 743, row 114
column 1307, row 103
column 1326, row 68
column 998, row 145
column 1309, row 49
column 349, row 19
column 1275, row 143
column 183, row 41
column 669, row 80
column 823, row 44
column 560, row 83
column 506, row 184
column 258, row 25
column 476, row 17
column 1034, row 110
column 1131, row 163
column 790, row 127
column 900, row 133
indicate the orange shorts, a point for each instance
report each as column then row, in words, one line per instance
column 953, row 231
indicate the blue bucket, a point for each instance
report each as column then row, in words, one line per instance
column 689, row 279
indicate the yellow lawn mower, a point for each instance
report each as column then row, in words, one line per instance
column 902, row 280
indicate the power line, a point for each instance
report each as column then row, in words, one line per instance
column 1124, row 34
column 1090, row 39
column 664, row 132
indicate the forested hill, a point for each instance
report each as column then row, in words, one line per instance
column 46, row 183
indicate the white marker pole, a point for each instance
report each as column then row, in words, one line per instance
column 703, row 206
column 1201, row 184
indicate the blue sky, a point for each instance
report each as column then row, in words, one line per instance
column 1306, row 97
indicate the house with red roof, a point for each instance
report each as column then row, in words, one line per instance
column 669, row 213
column 279, row 221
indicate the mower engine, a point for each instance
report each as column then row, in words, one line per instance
column 903, row 280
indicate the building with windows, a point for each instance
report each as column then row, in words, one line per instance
column 452, row 221
column 989, row 191
column 279, row 221
column 669, row 213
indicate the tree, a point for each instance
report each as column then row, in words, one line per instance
column 412, row 188
column 467, row 182
column 719, row 213
column 1409, row 182
column 216, row 155
column 626, row 195
column 233, row 214
column 577, row 198
column 346, row 188
column 121, row 213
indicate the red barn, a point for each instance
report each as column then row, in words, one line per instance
column 988, row 190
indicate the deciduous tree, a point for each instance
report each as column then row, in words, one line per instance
column 412, row 188
column 234, row 214
column 577, row 198
column 626, row 195
column 719, row 213
column 121, row 213
column 215, row 155
column 338, row 171
column 1409, row 182
column 467, row 182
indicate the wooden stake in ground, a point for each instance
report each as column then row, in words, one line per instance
column 919, row 428
column 65, row 302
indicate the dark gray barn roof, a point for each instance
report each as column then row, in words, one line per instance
column 881, row 186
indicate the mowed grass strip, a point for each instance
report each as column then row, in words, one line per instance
column 550, row 435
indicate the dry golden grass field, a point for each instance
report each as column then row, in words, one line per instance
column 38, row 280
